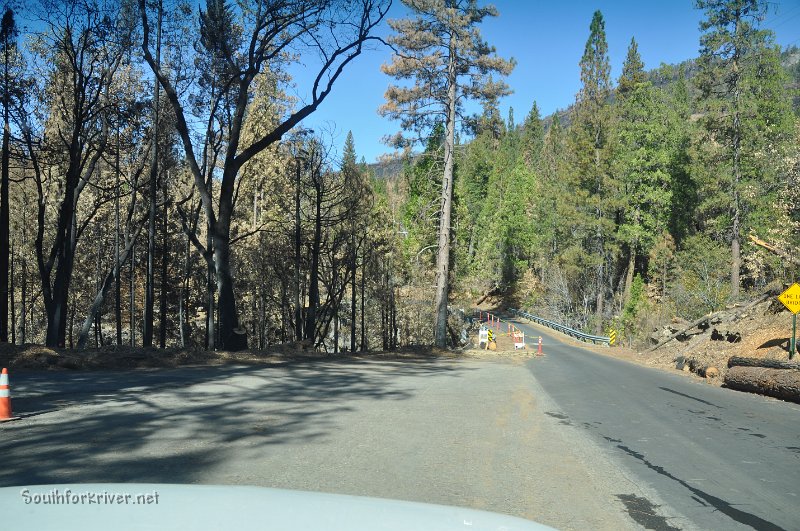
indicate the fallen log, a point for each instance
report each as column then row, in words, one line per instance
column 778, row 383
column 739, row 361
column 762, row 298
column 780, row 252
column 680, row 332
column 492, row 291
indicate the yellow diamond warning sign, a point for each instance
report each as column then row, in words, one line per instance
column 791, row 298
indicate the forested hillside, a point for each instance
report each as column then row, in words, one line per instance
column 636, row 204
column 159, row 188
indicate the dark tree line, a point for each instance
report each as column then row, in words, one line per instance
column 143, row 146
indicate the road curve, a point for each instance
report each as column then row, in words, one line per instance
column 718, row 458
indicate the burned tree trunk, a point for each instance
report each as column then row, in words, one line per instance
column 105, row 287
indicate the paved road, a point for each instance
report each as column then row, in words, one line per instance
column 468, row 433
column 575, row 440
column 719, row 459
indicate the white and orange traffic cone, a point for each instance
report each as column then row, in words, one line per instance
column 5, row 398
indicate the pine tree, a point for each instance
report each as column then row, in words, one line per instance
column 642, row 164
column 473, row 170
column 683, row 184
column 356, row 213
column 532, row 137
column 590, row 137
column 745, row 112
column 442, row 50
column 632, row 70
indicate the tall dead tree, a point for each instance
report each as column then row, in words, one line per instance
column 133, row 226
column 245, row 43
column 149, row 291
column 87, row 43
column 330, row 196
column 10, row 92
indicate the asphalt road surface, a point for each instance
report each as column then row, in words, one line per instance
column 718, row 458
column 574, row 440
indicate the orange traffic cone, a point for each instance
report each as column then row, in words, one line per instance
column 5, row 398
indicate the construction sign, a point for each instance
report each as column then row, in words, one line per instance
column 483, row 336
column 791, row 298
column 519, row 339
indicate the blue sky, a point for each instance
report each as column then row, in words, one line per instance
column 547, row 41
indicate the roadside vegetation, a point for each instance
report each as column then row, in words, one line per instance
column 159, row 190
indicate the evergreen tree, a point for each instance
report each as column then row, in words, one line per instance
column 745, row 113
column 532, row 137
column 642, row 164
column 632, row 70
column 357, row 211
column 683, row 185
column 590, row 138
column 442, row 50
column 499, row 224
column 420, row 209
column 474, row 168
column 553, row 205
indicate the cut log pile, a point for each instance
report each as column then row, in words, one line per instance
column 757, row 329
column 706, row 371
column 744, row 347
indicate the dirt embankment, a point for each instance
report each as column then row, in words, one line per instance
column 761, row 331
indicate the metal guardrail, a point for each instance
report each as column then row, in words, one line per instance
column 577, row 334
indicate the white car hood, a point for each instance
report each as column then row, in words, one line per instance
column 129, row 506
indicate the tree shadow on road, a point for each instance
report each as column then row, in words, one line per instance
column 180, row 426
